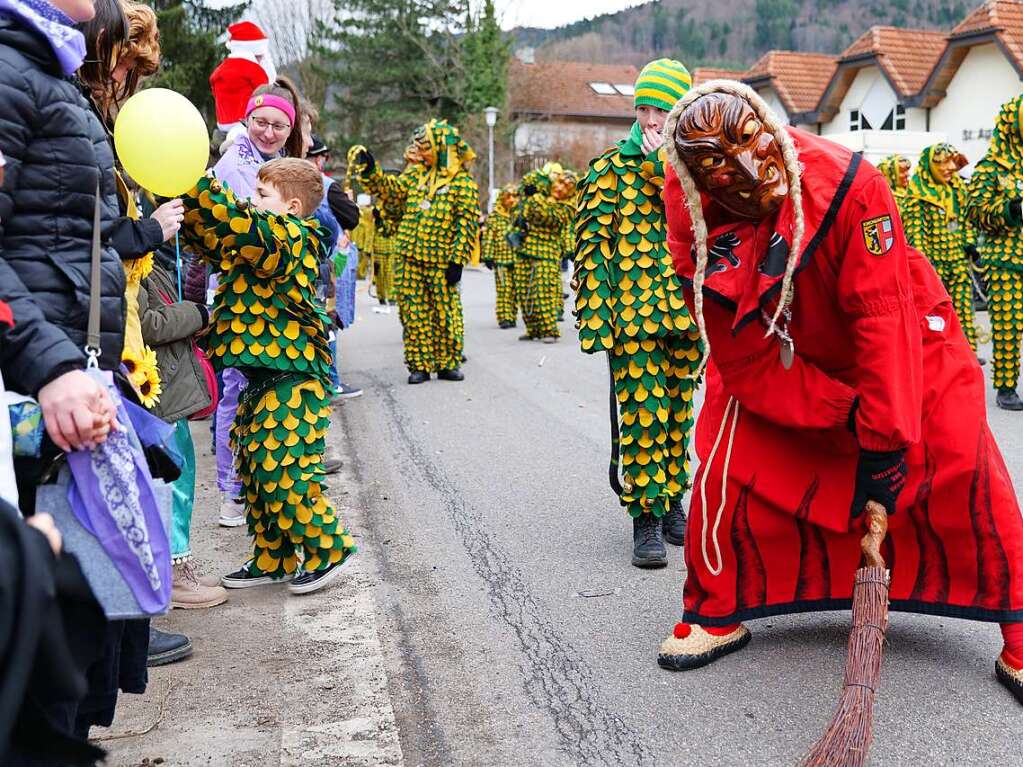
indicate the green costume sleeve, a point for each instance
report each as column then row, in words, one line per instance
column 543, row 211
column 391, row 192
column 988, row 204
column 230, row 229
column 911, row 220
column 596, row 221
column 465, row 211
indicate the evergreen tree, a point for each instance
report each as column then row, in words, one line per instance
column 390, row 65
column 189, row 51
column 485, row 54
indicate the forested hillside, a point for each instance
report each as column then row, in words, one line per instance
column 732, row 32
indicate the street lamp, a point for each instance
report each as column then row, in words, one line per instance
column 491, row 115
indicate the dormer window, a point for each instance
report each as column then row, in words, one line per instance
column 604, row 89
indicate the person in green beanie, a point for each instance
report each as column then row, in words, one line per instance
column 629, row 304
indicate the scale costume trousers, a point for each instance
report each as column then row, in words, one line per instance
column 540, row 296
column 1005, row 306
column 956, row 277
column 655, row 404
column 279, row 440
column 504, row 282
column 383, row 276
column 433, row 328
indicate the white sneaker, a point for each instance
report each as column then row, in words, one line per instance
column 232, row 513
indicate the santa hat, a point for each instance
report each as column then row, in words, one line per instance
column 246, row 37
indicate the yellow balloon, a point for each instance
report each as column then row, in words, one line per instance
column 161, row 141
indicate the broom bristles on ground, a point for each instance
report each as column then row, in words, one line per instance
column 846, row 742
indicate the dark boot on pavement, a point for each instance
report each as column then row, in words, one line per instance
column 647, row 542
column 418, row 377
column 673, row 523
column 450, row 375
column 1008, row 399
column 166, row 648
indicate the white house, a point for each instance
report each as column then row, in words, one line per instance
column 981, row 68
column 870, row 104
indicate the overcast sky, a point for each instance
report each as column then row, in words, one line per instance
column 515, row 13
column 554, row 13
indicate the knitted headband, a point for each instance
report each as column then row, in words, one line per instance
column 662, row 83
column 270, row 100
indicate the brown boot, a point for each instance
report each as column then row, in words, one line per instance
column 189, row 593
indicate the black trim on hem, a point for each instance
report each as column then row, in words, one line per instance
column 826, row 605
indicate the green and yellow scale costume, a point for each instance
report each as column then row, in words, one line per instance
column 538, row 268
column 889, row 168
column 629, row 303
column 267, row 322
column 497, row 253
column 384, row 254
column 994, row 193
column 364, row 236
column 936, row 224
column 435, row 209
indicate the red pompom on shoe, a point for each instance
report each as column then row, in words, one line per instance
column 682, row 630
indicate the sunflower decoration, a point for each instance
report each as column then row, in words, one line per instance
column 143, row 374
column 137, row 269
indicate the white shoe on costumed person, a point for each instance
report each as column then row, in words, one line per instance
column 232, row 511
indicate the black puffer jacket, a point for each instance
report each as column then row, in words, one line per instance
column 56, row 150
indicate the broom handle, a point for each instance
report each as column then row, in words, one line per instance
column 877, row 529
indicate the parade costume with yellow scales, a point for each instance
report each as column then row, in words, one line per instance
column 934, row 217
column 895, row 169
column 266, row 321
column 542, row 220
column 435, row 204
column 994, row 205
column 499, row 256
column 629, row 303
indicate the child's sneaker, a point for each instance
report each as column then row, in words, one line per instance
column 308, row 582
column 244, row 578
column 232, row 512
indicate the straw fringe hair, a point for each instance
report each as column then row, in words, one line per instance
column 792, row 168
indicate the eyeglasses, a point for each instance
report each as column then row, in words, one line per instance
column 262, row 124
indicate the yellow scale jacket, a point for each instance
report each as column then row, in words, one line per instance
column 630, row 304
column 994, row 193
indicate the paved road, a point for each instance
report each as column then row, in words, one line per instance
column 514, row 629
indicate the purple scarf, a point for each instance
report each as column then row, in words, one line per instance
column 68, row 43
column 112, row 496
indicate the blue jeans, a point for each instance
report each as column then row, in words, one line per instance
column 335, row 379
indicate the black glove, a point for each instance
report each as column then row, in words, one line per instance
column 366, row 159
column 376, row 217
column 973, row 253
column 453, row 273
column 1016, row 209
column 880, row 476
column 529, row 190
column 489, row 263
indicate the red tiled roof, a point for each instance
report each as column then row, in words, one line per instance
column 1003, row 18
column 996, row 21
column 798, row 78
column 907, row 56
column 562, row 88
column 704, row 74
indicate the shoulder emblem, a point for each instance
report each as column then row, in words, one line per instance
column 878, row 235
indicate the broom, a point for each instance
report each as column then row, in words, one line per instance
column 846, row 742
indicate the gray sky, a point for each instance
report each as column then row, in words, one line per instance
column 513, row 13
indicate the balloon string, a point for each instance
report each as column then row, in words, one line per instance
column 177, row 249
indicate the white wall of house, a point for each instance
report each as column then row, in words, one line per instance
column 539, row 137
column 770, row 95
column 871, row 95
column 985, row 80
column 875, row 145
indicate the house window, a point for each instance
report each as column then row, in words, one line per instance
column 604, row 89
column 858, row 121
column 900, row 117
column 625, row 90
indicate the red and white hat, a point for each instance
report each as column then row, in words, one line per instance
column 246, row 37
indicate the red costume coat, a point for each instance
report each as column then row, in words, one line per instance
column 869, row 318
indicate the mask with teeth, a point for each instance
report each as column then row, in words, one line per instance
column 732, row 157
